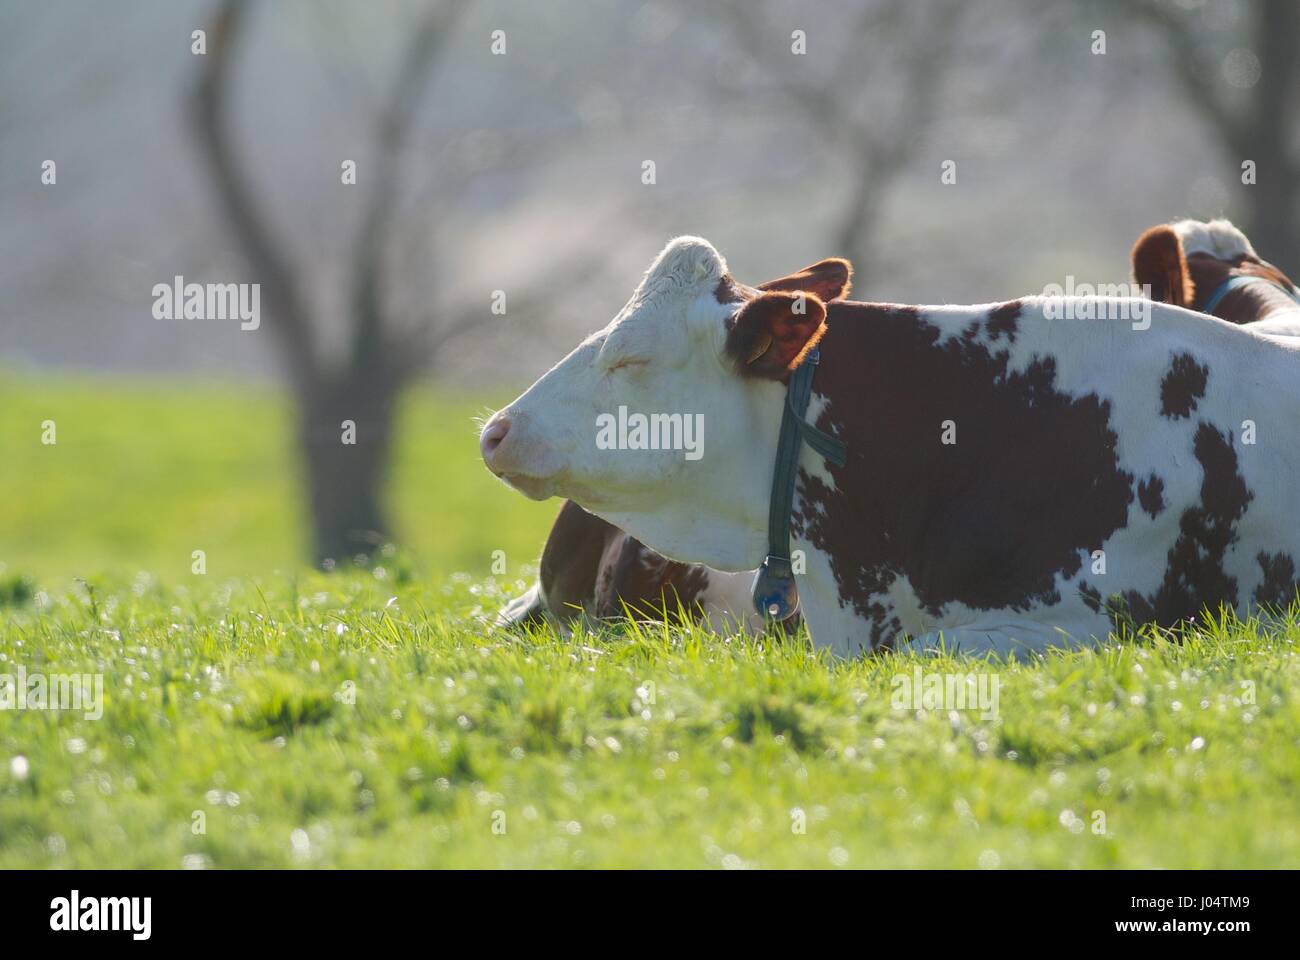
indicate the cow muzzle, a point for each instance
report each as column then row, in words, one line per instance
column 516, row 458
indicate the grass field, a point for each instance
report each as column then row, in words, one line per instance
column 267, row 715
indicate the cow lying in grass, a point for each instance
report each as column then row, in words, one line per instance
column 590, row 567
column 1012, row 481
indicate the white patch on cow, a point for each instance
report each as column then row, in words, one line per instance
column 728, row 602
column 811, row 462
column 680, row 266
column 1219, row 238
column 961, row 628
column 911, row 613
column 832, row 623
column 1002, row 634
column 954, row 321
column 1285, row 323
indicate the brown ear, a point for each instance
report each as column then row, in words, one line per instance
column 1158, row 260
column 828, row 279
column 771, row 334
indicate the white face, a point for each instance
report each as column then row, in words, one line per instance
column 655, row 376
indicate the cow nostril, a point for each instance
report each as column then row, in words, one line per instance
column 492, row 436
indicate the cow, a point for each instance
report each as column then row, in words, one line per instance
column 1013, row 480
column 589, row 567
column 1212, row 267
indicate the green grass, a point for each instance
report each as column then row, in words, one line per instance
column 365, row 719
column 143, row 474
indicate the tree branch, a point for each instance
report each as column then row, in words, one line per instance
column 1193, row 68
column 423, row 344
column 370, row 343
column 290, row 322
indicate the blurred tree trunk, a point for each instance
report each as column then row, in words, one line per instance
column 345, row 480
column 344, row 467
column 1269, row 131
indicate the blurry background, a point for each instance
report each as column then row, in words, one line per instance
column 522, row 172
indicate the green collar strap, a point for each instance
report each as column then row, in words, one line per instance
column 775, row 594
column 1236, row 283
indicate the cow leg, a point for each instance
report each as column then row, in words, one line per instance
column 566, row 585
column 591, row 567
column 526, row 610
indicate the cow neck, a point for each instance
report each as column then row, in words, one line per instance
column 774, row 591
column 1236, row 283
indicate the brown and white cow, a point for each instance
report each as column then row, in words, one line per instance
column 1097, row 467
column 590, row 567
column 1200, row 265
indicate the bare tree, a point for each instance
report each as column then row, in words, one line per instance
column 390, row 339
column 1259, row 122
column 363, row 384
column 904, row 48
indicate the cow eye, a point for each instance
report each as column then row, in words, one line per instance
column 626, row 362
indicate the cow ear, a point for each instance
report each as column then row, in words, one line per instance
column 771, row 334
column 1158, row 260
column 828, row 279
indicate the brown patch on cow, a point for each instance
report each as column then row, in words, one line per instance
column 1247, row 303
column 1003, row 321
column 633, row 578
column 1151, row 495
column 1158, row 261
column 571, row 560
column 1194, row 575
column 591, row 567
column 1182, row 386
column 1277, row 591
column 769, row 336
column 979, row 522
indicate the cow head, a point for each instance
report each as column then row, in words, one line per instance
column 695, row 362
column 1186, row 261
